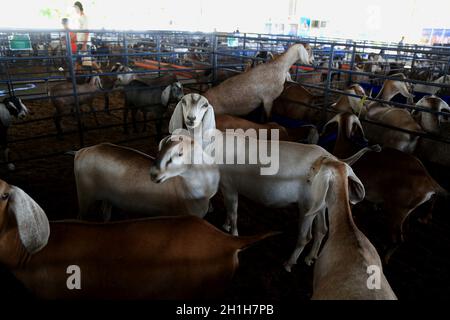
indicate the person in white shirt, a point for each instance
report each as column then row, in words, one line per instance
column 83, row 38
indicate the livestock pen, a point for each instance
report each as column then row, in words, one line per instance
column 419, row 269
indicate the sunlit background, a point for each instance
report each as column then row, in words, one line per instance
column 420, row 21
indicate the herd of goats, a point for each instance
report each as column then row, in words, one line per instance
column 176, row 254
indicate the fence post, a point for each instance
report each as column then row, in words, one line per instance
column 213, row 57
column 414, row 58
column 74, row 87
column 158, row 51
column 125, row 49
column 328, row 85
column 352, row 65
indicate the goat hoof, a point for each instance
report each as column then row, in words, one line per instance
column 11, row 167
column 287, row 266
column 310, row 261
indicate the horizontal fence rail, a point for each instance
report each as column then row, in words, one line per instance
column 198, row 59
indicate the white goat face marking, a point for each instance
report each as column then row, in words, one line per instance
column 194, row 109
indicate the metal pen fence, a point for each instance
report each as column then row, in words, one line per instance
column 172, row 52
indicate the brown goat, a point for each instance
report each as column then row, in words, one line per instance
column 396, row 180
column 294, row 103
column 160, row 258
column 340, row 272
column 308, row 134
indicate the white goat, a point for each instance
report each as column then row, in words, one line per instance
column 290, row 184
column 396, row 117
column 341, row 270
column 120, row 177
column 423, row 88
column 439, row 125
column 241, row 94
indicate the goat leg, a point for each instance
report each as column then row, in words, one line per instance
column 57, row 120
column 94, row 113
column 144, row 115
column 125, row 119
column 304, row 236
column 231, row 204
column 133, row 119
column 319, row 230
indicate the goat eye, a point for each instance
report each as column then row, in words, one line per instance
column 205, row 105
column 180, row 154
column 5, row 196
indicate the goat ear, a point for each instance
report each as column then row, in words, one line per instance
column 403, row 89
column 177, row 119
column 165, row 96
column 327, row 127
column 32, row 223
column 209, row 120
column 356, row 189
column 163, row 142
column 354, row 128
column 320, row 183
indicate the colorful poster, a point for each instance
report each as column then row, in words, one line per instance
column 305, row 26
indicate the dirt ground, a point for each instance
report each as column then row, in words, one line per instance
column 418, row 270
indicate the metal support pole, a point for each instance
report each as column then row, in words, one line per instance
column 125, row 49
column 327, row 86
column 74, row 87
column 213, row 57
column 352, row 64
column 158, row 51
column 413, row 63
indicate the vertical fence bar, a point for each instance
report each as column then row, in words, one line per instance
column 327, row 85
column 413, row 63
column 158, row 51
column 74, row 87
column 125, row 49
column 352, row 65
column 213, row 57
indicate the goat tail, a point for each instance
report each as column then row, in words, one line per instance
column 350, row 161
column 71, row 153
column 245, row 242
column 440, row 191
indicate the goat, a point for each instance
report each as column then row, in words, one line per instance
column 158, row 258
column 193, row 111
column 9, row 108
column 288, row 185
column 341, row 270
column 351, row 104
column 306, row 134
column 150, row 95
column 399, row 118
column 62, row 96
column 438, row 125
column 393, row 179
column 431, row 90
column 287, row 104
column 99, row 168
column 245, row 92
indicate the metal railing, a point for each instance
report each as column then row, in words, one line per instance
column 218, row 52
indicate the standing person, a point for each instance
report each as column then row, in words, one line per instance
column 84, row 38
column 72, row 35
